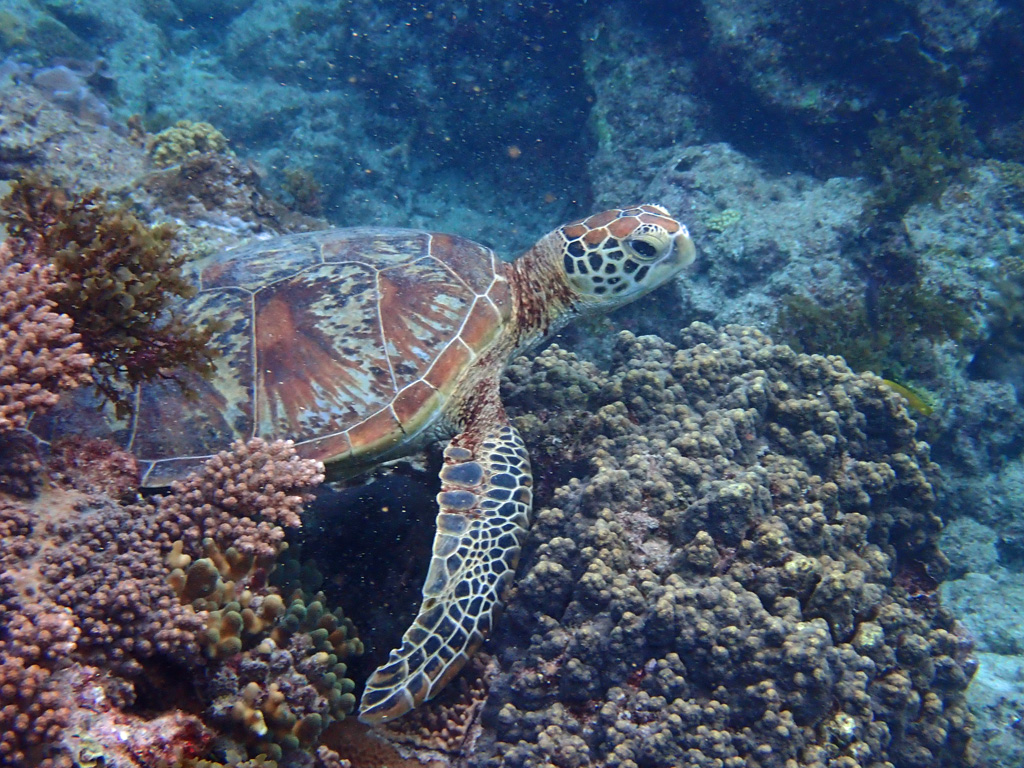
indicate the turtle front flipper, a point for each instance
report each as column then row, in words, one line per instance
column 485, row 504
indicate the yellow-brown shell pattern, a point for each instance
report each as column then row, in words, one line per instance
column 346, row 341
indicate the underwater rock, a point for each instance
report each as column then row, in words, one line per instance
column 871, row 58
column 71, row 90
column 970, row 546
column 997, row 696
column 36, row 133
column 991, row 606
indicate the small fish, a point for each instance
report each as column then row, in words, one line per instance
column 914, row 399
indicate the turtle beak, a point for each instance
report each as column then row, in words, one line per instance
column 683, row 250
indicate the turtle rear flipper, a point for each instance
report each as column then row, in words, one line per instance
column 485, row 504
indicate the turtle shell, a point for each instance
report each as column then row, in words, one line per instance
column 347, row 341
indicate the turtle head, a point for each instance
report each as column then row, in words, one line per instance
column 617, row 256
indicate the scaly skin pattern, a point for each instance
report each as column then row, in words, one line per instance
column 485, row 502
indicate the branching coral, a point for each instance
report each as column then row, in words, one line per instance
column 83, row 595
column 286, row 679
column 33, row 714
column 116, row 278
column 104, row 606
column 240, row 498
column 40, row 354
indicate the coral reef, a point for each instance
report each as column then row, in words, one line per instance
column 734, row 562
column 113, row 616
column 116, row 278
column 219, row 196
column 240, row 499
column 468, row 105
column 405, row 115
column 286, row 678
column 40, row 354
column 185, row 140
column 84, row 592
column 449, row 88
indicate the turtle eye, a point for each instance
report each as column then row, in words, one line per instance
column 643, row 248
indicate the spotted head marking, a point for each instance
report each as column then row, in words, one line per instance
column 614, row 257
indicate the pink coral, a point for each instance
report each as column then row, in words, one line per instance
column 241, row 498
column 90, row 621
column 39, row 353
column 90, row 558
column 32, row 711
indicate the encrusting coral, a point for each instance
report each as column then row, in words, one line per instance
column 102, row 607
column 736, row 566
column 115, row 279
column 40, row 354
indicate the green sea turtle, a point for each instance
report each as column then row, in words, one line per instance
column 366, row 344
